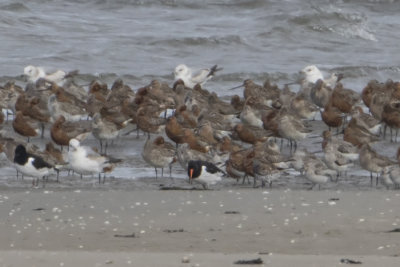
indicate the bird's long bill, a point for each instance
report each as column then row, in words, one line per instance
column 236, row 87
column 190, row 175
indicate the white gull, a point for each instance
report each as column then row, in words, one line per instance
column 190, row 79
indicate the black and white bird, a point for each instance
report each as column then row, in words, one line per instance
column 31, row 165
column 204, row 173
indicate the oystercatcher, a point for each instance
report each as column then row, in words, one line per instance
column 204, row 173
column 31, row 165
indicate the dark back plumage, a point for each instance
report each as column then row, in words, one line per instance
column 21, row 157
column 196, row 166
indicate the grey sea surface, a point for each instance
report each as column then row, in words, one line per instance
column 142, row 40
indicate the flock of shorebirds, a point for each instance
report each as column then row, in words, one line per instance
column 210, row 138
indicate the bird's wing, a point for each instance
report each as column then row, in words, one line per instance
column 201, row 76
column 39, row 163
column 211, row 168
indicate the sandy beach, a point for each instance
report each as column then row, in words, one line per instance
column 130, row 220
column 42, row 227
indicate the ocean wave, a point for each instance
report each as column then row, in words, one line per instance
column 365, row 71
column 336, row 20
column 193, row 4
column 200, row 41
column 19, row 7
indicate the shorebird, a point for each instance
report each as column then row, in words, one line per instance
column 186, row 118
column 236, row 167
column 344, row 99
column 221, row 106
column 300, row 158
column 366, row 121
column 194, row 141
column 159, row 154
column 31, row 165
column 250, row 116
column 369, row 90
column 149, row 122
column 345, row 149
column 190, row 79
column 85, row 161
column 62, row 131
column 386, row 178
column 317, row 172
column 391, row 117
column 395, row 176
column 303, row 107
column 25, row 126
column 104, row 129
column 378, row 102
column 357, row 135
column 174, row 130
column 336, row 161
column 332, row 116
column 292, row 128
column 371, row 161
column 70, row 111
column 251, row 134
column 185, row 154
column 265, row 171
column 320, row 94
column 204, row 173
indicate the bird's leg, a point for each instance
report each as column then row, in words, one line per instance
column 371, row 177
column 42, row 134
column 244, row 178
column 156, row 172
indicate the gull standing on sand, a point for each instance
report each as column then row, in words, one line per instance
column 84, row 160
column 190, row 79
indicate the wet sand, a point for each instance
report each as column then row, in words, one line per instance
column 210, row 228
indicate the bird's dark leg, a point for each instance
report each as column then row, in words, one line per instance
column 371, row 178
